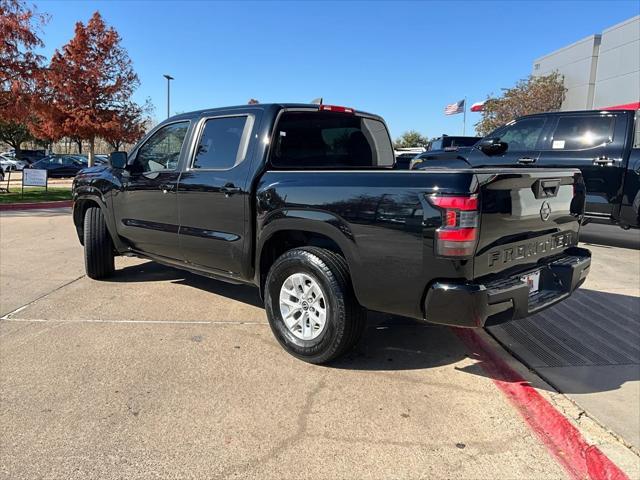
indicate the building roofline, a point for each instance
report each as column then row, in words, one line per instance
column 621, row 24
column 589, row 37
column 595, row 36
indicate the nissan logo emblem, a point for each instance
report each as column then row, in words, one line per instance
column 545, row 211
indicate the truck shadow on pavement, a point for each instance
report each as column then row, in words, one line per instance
column 392, row 343
column 588, row 343
column 389, row 342
column 155, row 272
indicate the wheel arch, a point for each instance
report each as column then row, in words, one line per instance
column 81, row 204
column 289, row 234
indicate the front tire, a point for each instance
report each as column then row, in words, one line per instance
column 310, row 304
column 98, row 246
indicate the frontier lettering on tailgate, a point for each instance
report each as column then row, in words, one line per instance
column 530, row 249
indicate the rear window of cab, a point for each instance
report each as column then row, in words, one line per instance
column 327, row 140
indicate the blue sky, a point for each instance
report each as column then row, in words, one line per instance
column 402, row 60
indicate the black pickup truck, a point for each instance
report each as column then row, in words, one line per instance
column 303, row 202
column 601, row 143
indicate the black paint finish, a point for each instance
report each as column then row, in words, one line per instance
column 219, row 222
column 381, row 221
column 145, row 216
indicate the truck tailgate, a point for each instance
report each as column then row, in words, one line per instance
column 526, row 215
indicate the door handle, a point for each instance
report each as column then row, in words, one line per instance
column 167, row 187
column 604, row 161
column 526, row 160
column 229, row 189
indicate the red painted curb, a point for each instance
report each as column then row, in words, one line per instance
column 562, row 439
column 35, row 205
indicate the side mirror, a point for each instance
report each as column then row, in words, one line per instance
column 118, row 160
column 416, row 163
column 492, row 146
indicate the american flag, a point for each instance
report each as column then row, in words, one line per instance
column 454, row 108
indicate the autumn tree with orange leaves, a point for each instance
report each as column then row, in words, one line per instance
column 20, row 69
column 133, row 121
column 88, row 87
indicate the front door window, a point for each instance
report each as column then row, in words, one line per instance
column 161, row 151
column 522, row 135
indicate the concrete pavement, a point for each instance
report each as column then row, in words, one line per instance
column 38, row 254
column 161, row 374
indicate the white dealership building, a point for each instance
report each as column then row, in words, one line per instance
column 600, row 71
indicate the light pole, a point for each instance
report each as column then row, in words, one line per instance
column 169, row 78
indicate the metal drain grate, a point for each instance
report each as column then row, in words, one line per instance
column 589, row 328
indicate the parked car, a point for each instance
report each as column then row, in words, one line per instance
column 6, row 164
column 98, row 159
column 59, row 166
column 405, row 155
column 20, row 164
column 602, row 144
column 30, row 156
column 9, row 163
column 302, row 201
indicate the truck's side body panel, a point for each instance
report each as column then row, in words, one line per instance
column 145, row 205
column 215, row 203
column 380, row 219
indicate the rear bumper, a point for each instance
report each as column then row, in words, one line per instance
column 504, row 299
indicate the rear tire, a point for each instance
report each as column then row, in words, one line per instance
column 98, row 246
column 325, row 272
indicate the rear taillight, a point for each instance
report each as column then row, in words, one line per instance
column 458, row 235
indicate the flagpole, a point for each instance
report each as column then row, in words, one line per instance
column 464, row 118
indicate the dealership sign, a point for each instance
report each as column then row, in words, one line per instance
column 33, row 177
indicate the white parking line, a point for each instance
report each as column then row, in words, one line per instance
column 171, row 322
column 19, row 309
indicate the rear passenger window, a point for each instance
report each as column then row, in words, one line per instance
column 223, row 143
column 307, row 140
column 579, row 133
